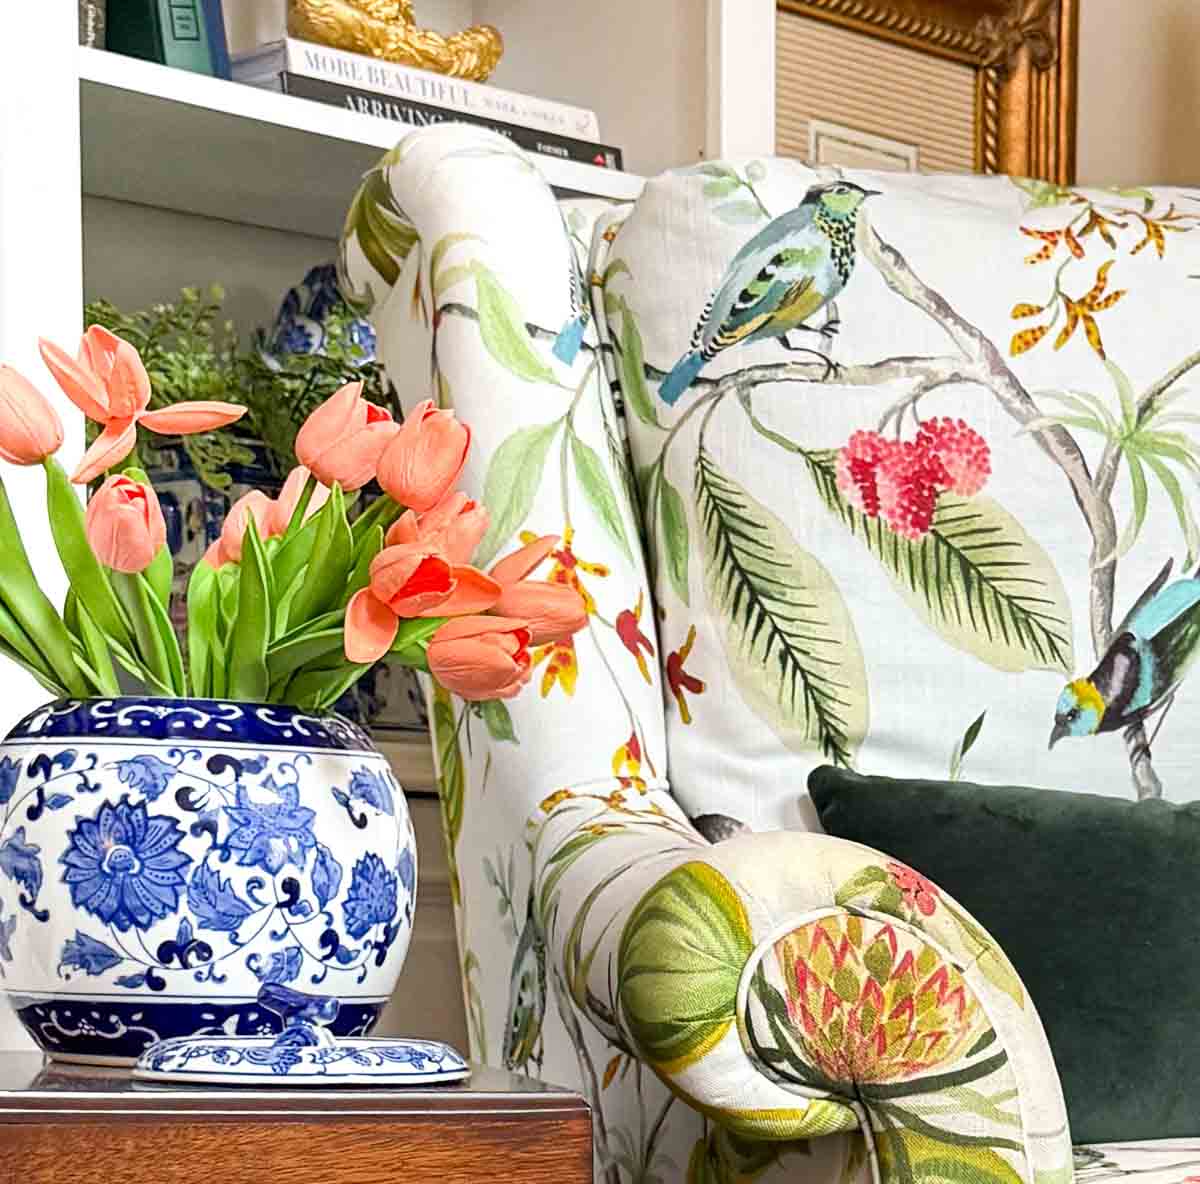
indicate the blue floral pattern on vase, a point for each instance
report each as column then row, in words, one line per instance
column 273, row 829
column 372, row 897
column 124, row 865
column 198, row 851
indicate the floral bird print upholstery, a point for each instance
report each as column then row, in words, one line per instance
column 888, row 547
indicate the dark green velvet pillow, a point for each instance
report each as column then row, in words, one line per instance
column 1097, row 902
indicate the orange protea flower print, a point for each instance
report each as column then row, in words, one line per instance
column 567, row 566
column 633, row 639
column 679, row 680
column 872, row 1003
column 561, row 666
column 920, row 894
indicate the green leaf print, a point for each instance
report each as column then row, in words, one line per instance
column 503, row 329
column 597, row 488
column 512, row 481
column 788, row 637
column 680, row 961
column 977, row 578
column 673, row 531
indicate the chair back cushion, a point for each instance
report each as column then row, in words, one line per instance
column 918, row 461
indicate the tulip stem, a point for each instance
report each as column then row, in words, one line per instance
column 297, row 518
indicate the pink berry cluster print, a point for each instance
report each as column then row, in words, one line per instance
column 900, row 480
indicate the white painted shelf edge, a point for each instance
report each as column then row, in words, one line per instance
column 199, row 104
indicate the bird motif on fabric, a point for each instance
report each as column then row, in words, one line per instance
column 1149, row 656
column 570, row 337
column 523, row 1045
column 784, row 275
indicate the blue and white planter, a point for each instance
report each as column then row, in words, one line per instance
column 162, row 860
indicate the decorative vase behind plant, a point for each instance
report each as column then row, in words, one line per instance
column 163, row 859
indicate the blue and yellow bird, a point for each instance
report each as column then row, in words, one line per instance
column 784, row 275
column 1149, row 656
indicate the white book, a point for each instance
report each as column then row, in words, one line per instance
column 262, row 65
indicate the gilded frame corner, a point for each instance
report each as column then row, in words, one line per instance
column 1024, row 53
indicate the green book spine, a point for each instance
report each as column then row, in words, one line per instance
column 185, row 38
column 168, row 31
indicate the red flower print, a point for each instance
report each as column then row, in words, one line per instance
column 908, row 479
column 634, row 640
column 627, row 766
column 964, row 454
column 679, row 680
column 900, row 480
column 919, row 893
column 856, row 466
column 628, row 758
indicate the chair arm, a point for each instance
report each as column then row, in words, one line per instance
column 791, row 984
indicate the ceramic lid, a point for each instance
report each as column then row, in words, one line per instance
column 304, row 1053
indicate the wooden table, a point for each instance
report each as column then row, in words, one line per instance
column 61, row 1124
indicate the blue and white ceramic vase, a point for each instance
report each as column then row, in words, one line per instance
column 161, row 860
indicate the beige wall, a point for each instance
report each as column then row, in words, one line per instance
column 1139, row 92
column 638, row 63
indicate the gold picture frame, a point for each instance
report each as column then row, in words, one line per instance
column 1024, row 53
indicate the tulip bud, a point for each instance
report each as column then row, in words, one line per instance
column 284, row 506
column 254, row 504
column 481, row 657
column 30, row 429
column 425, row 459
column 343, row 439
column 455, row 525
column 124, row 524
column 553, row 611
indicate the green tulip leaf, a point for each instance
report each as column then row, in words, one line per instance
column 364, row 554
column 87, row 575
column 251, row 630
column 202, row 627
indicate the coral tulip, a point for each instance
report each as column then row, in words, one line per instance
column 109, row 384
column 481, row 657
column 343, row 439
column 124, row 524
column 554, row 611
column 284, row 506
column 411, row 580
column 425, row 460
column 30, row 429
column 228, row 548
column 455, row 525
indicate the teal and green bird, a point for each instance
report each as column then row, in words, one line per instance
column 1150, row 654
column 784, row 275
column 523, row 1042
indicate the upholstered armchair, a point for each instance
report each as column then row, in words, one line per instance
column 645, row 910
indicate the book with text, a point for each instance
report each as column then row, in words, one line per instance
column 302, row 58
column 421, row 114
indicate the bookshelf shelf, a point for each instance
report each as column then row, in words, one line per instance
column 200, row 145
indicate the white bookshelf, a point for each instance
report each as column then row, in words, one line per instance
column 199, row 145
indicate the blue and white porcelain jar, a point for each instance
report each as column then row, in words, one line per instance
column 161, row 860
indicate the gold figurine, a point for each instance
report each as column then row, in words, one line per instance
column 387, row 29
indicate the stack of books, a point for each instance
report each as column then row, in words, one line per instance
column 370, row 86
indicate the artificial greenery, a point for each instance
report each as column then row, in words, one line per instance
column 191, row 354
